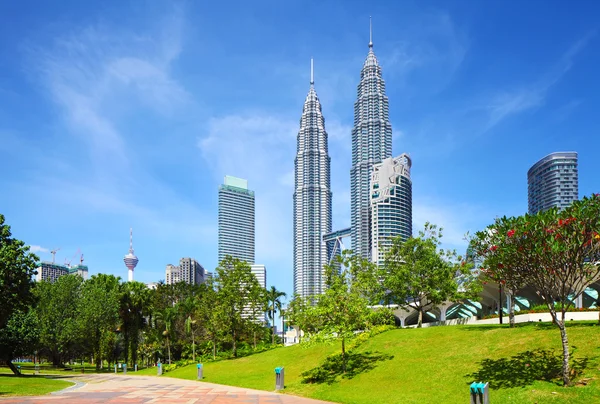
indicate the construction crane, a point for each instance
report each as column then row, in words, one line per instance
column 68, row 263
column 53, row 252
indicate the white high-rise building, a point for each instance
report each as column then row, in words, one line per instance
column 189, row 271
column 371, row 144
column 391, row 204
column 260, row 272
column 236, row 220
column 312, row 198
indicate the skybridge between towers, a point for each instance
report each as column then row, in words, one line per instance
column 334, row 242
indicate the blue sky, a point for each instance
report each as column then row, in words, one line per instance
column 116, row 114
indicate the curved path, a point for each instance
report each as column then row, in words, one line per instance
column 149, row 389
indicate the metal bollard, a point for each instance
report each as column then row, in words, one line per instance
column 480, row 393
column 200, row 371
column 37, row 369
column 135, row 367
column 159, row 368
column 279, row 379
column 124, row 368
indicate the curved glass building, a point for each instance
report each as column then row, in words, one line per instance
column 391, row 204
column 553, row 182
column 312, row 198
column 371, row 143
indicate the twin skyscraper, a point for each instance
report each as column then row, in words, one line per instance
column 381, row 188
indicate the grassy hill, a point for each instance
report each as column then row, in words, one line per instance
column 429, row 365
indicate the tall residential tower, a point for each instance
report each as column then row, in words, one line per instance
column 236, row 220
column 312, row 198
column 391, row 204
column 371, row 143
column 553, row 182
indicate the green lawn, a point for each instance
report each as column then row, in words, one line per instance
column 428, row 365
column 29, row 385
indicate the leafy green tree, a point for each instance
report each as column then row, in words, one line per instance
column 557, row 253
column 238, row 292
column 343, row 307
column 298, row 314
column 17, row 267
column 166, row 318
column 99, row 312
column 61, row 330
column 19, row 337
column 212, row 316
column 274, row 299
column 418, row 275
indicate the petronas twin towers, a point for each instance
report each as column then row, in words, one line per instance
column 371, row 145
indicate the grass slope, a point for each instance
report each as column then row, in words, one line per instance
column 29, row 385
column 428, row 365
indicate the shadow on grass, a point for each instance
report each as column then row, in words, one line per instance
column 356, row 363
column 525, row 368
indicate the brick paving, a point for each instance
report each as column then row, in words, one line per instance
column 93, row 389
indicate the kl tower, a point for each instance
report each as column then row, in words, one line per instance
column 130, row 259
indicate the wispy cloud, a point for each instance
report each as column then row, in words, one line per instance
column 38, row 249
column 430, row 52
column 261, row 148
column 508, row 103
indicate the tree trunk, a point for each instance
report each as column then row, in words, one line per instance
column 214, row 350
column 234, row 345
column 344, row 354
column 169, row 349
column 255, row 340
column 273, row 328
column 420, row 321
column 193, row 347
column 511, row 310
column 13, row 368
column 565, row 345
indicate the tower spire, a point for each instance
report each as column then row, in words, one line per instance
column 370, row 32
column 312, row 72
column 131, row 240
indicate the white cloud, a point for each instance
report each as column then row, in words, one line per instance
column 530, row 96
column 38, row 249
column 261, row 148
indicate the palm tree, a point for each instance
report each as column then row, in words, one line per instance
column 188, row 308
column 167, row 317
column 274, row 298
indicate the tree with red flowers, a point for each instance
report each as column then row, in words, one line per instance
column 502, row 268
column 555, row 252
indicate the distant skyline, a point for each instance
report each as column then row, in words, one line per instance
column 128, row 114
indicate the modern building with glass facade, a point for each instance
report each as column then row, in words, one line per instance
column 260, row 272
column 371, row 144
column 189, row 271
column 391, row 204
column 236, row 220
column 553, row 182
column 312, row 198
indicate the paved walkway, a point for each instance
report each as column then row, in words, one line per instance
column 148, row 389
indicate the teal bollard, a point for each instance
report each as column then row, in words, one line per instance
column 200, row 371
column 279, row 378
column 160, row 370
column 480, row 393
